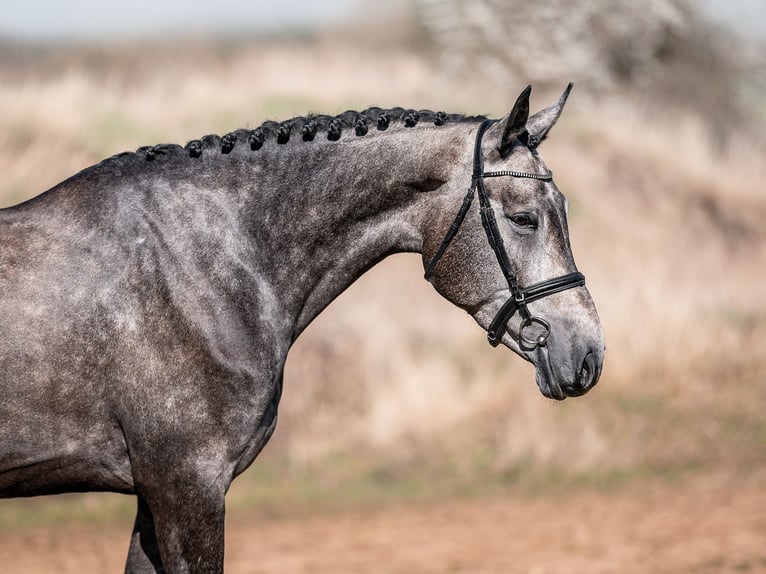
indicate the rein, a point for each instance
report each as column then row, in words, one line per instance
column 519, row 296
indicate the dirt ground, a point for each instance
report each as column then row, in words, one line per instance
column 710, row 528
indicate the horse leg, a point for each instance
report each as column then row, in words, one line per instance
column 144, row 554
column 179, row 528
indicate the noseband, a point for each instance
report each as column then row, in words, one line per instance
column 519, row 296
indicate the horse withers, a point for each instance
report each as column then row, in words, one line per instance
column 148, row 303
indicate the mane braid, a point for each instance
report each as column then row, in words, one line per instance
column 283, row 132
column 228, row 142
column 309, row 130
column 307, row 127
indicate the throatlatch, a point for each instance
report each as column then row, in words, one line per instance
column 519, row 296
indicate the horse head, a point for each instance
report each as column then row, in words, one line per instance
column 511, row 264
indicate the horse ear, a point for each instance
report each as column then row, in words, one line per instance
column 515, row 122
column 540, row 124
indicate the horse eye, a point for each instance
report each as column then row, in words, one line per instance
column 525, row 219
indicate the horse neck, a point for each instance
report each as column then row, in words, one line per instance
column 330, row 211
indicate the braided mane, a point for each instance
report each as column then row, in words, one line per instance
column 305, row 128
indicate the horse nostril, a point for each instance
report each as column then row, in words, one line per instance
column 588, row 375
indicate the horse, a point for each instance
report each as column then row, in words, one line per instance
column 148, row 303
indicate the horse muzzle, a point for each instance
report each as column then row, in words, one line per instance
column 555, row 385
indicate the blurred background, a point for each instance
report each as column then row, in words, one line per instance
column 393, row 401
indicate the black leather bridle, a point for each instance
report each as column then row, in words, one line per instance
column 520, row 297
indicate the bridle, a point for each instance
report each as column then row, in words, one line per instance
column 520, row 297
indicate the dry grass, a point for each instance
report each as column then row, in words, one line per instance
column 667, row 228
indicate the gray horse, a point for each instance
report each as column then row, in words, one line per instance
column 148, row 303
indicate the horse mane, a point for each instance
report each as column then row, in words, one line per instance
column 303, row 128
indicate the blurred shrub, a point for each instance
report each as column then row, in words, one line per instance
column 662, row 51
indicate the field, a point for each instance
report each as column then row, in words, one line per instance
column 405, row 443
column 713, row 528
